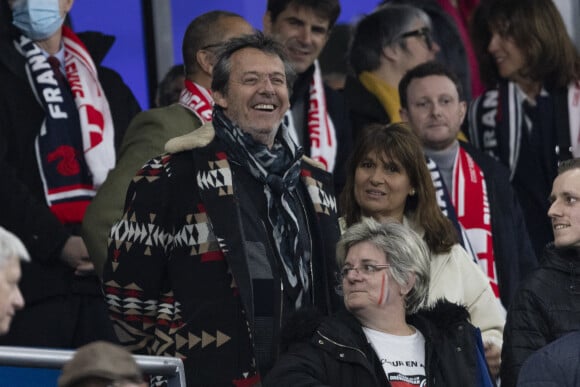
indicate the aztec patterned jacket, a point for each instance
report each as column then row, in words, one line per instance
column 176, row 279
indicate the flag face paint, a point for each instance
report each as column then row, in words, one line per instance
column 384, row 295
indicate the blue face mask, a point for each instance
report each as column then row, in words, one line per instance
column 37, row 19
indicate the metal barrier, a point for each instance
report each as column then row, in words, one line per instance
column 170, row 367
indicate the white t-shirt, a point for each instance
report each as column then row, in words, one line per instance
column 402, row 357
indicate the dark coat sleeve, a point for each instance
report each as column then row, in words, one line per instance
column 31, row 220
column 526, row 331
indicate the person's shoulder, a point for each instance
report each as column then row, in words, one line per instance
column 197, row 138
column 487, row 163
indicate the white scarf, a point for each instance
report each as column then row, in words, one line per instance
column 95, row 115
column 321, row 130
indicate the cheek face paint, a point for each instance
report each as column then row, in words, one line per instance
column 383, row 296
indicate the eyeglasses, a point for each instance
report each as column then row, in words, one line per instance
column 424, row 33
column 366, row 269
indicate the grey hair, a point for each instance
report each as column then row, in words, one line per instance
column 405, row 251
column 379, row 29
column 259, row 41
column 10, row 247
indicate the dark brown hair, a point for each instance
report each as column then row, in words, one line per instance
column 398, row 142
column 537, row 28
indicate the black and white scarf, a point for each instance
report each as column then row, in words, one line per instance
column 279, row 170
column 496, row 120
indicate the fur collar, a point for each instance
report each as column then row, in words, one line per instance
column 198, row 138
column 205, row 134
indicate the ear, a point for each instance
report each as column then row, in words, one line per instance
column 67, row 6
column 404, row 114
column 462, row 110
column 405, row 289
column 267, row 23
column 391, row 52
column 205, row 60
column 220, row 99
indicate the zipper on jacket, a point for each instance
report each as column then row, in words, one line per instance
column 305, row 217
column 341, row 345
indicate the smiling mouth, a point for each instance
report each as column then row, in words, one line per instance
column 266, row 107
column 560, row 226
column 375, row 193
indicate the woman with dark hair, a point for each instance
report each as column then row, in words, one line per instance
column 529, row 119
column 387, row 178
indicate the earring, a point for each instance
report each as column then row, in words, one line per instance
column 412, row 193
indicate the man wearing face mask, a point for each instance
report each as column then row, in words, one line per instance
column 61, row 119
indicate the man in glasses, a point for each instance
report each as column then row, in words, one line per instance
column 150, row 130
column 386, row 43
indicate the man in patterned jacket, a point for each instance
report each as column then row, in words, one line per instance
column 228, row 233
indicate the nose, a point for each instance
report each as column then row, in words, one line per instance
column 267, row 86
column 18, row 300
column 435, row 47
column 554, row 210
column 305, row 35
column 493, row 43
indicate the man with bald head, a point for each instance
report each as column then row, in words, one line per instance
column 150, row 130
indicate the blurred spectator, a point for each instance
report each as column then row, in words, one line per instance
column 101, row 364
column 386, row 43
column 447, row 33
column 151, row 129
column 12, row 251
column 170, row 86
column 62, row 116
column 547, row 305
column 529, row 119
column 318, row 116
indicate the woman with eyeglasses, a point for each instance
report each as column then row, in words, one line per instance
column 384, row 337
column 386, row 43
column 387, row 178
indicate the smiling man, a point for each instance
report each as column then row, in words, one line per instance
column 547, row 305
column 318, row 119
column 239, row 231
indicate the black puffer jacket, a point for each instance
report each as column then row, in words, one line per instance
column 546, row 307
column 335, row 351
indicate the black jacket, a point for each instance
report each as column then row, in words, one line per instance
column 364, row 107
column 24, row 210
column 335, row 351
column 546, row 307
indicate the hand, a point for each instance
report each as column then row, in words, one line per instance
column 75, row 254
column 493, row 358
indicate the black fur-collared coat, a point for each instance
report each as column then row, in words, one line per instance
column 335, row 351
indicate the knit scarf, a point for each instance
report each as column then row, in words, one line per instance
column 446, row 205
column 73, row 163
column 278, row 169
column 496, row 121
column 387, row 95
column 197, row 99
column 471, row 204
column 321, row 132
